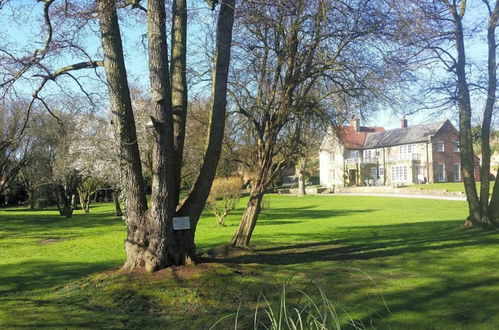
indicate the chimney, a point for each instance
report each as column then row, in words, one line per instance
column 355, row 123
column 403, row 122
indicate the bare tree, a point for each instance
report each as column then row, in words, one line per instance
column 224, row 195
column 286, row 53
column 15, row 147
column 38, row 169
column 435, row 32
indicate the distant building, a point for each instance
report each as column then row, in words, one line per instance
column 358, row 155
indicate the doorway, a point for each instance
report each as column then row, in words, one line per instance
column 352, row 177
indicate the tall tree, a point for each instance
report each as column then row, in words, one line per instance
column 287, row 52
column 15, row 146
column 437, row 30
column 152, row 243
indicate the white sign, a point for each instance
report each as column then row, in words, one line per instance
column 181, row 223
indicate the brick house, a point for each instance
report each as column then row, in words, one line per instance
column 358, row 155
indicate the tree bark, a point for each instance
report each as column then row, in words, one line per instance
column 64, row 201
column 84, row 195
column 249, row 219
column 490, row 212
column 151, row 242
column 494, row 201
column 84, row 201
column 135, row 202
column 32, row 198
column 116, row 198
column 179, row 88
column 195, row 202
column 169, row 249
column 300, row 174
column 466, row 142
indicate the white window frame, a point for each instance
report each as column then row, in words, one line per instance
column 367, row 154
column 456, row 147
column 399, row 173
column 441, row 178
column 458, row 178
column 381, row 171
column 441, row 146
column 374, row 173
column 406, row 149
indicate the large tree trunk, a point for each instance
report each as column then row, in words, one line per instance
column 64, row 201
column 135, row 202
column 170, row 251
column 464, row 104
column 267, row 171
column 248, row 221
column 151, row 242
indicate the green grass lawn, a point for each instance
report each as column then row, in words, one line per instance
column 388, row 262
column 449, row 186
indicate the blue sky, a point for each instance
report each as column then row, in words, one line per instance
column 24, row 32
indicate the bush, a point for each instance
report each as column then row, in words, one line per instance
column 224, row 196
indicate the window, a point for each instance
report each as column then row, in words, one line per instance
column 406, row 149
column 457, row 171
column 441, row 172
column 367, row 154
column 456, row 147
column 399, row 173
column 378, row 153
column 440, row 146
column 374, row 173
column 381, row 171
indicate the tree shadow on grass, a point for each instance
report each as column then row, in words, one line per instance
column 39, row 274
column 448, row 301
column 51, row 294
column 30, row 224
column 417, row 260
column 371, row 242
column 283, row 216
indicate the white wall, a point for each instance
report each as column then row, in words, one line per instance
column 331, row 163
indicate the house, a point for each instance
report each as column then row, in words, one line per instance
column 359, row 155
